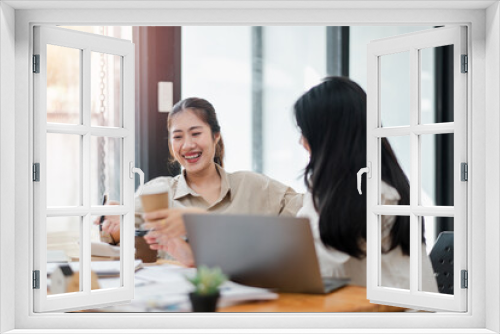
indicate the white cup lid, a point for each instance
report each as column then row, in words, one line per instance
column 155, row 188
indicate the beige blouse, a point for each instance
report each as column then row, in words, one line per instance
column 242, row 192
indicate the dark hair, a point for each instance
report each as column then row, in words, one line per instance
column 332, row 118
column 206, row 112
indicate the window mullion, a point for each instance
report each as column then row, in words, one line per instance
column 373, row 157
column 391, row 131
column 126, row 96
column 414, row 169
column 438, row 128
column 85, row 179
column 406, row 210
column 83, row 129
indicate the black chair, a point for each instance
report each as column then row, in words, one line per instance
column 442, row 262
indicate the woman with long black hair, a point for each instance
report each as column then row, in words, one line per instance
column 332, row 120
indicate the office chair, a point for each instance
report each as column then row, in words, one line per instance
column 442, row 262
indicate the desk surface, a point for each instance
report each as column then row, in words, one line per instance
column 347, row 299
column 350, row 298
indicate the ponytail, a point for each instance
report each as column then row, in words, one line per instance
column 219, row 153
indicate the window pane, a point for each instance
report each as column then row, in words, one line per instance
column 284, row 79
column 394, row 265
column 360, row 36
column 216, row 65
column 63, row 169
column 106, row 257
column 63, row 249
column 437, row 169
column 105, row 89
column 400, row 147
column 105, row 174
column 395, row 89
column 438, row 267
column 436, row 85
column 63, row 84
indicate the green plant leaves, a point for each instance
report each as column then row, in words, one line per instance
column 207, row 280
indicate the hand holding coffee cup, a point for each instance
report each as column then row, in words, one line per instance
column 142, row 249
column 178, row 249
column 167, row 224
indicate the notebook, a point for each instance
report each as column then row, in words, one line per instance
column 263, row 251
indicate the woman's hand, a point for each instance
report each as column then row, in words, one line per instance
column 167, row 229
column 178, row 249
column 111, row 224
column 167, row 223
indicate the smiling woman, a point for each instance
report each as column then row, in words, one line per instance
column 195, row 142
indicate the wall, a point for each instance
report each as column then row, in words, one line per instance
column 7, row 28
column 492, row 163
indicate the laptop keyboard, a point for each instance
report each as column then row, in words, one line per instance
column 331, row 283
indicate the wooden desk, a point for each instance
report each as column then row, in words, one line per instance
column 350, row 298
column 347, row 299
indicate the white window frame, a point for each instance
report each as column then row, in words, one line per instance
column 85, row 43
column 412, row 44
column 483, row 125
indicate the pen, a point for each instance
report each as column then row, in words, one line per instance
column 101, row 220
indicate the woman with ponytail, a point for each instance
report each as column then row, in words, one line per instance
column 195, row 142
column 332, row 119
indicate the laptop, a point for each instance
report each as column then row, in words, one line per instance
column 263, row 251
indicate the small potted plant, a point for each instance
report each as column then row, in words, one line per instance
column 206, row 284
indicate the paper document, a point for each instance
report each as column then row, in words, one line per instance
column 164, row 288
column 104, row 249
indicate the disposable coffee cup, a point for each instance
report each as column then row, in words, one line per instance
column 154, row 197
